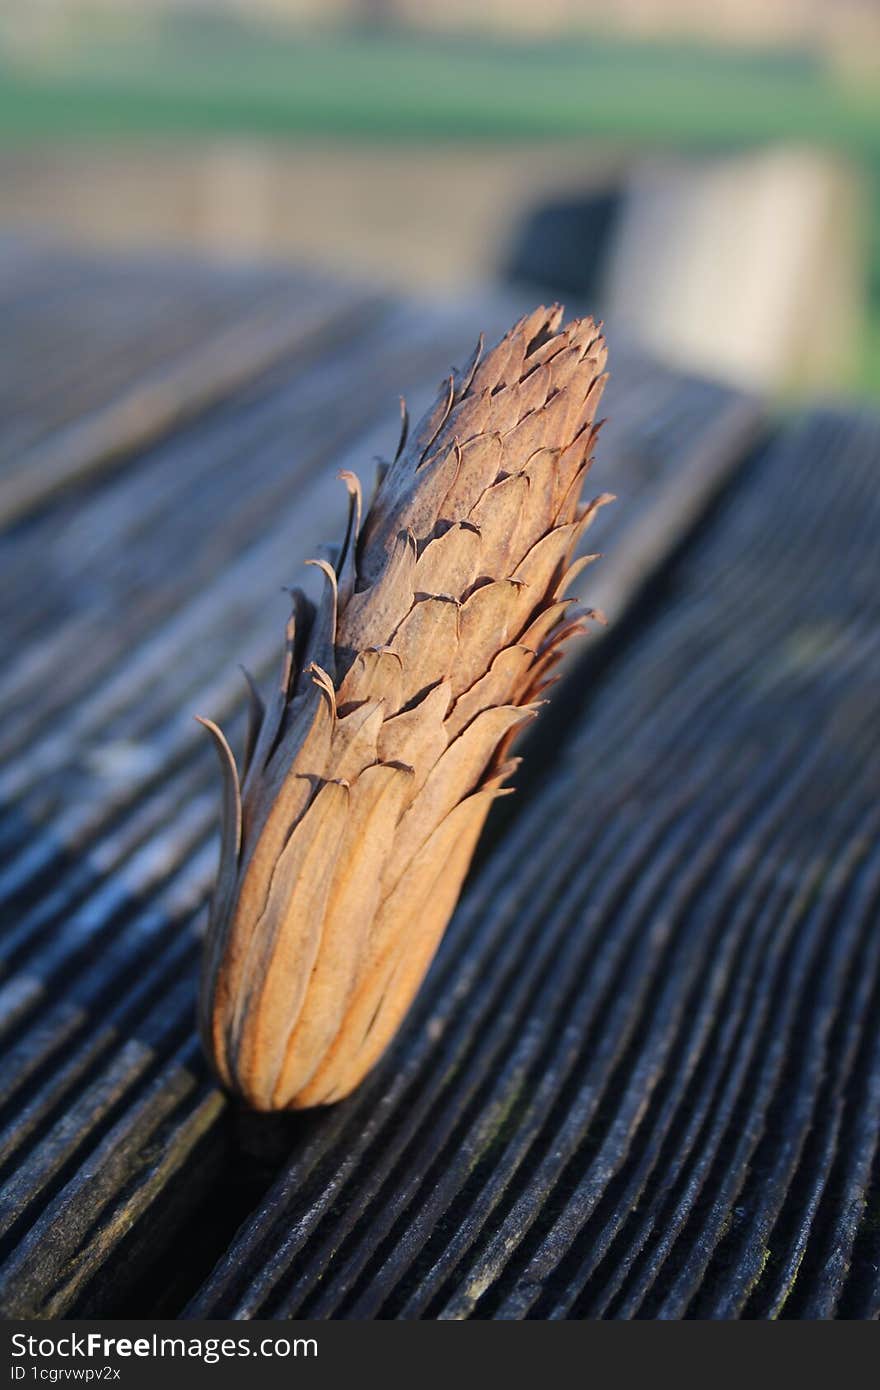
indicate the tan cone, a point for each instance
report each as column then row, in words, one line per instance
column 370, row 771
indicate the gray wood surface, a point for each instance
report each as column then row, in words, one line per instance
column 566, row 1031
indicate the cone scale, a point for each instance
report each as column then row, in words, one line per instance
column 371, row 768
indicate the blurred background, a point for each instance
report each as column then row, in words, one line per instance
column 706, row 176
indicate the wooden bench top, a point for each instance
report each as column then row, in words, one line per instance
column 643, row 1077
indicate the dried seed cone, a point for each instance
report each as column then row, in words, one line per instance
column 371, row 770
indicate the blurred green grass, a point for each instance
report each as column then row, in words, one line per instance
column 182, row 79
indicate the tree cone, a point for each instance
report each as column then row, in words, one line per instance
column 370, row 771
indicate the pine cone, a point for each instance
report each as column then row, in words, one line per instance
column 368, row 776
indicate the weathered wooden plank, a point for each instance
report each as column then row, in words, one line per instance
column 78, row 317
column 130, row 601
column 79, row 330
column 199, row 373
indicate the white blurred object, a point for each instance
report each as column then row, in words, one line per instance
column 748, row 267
